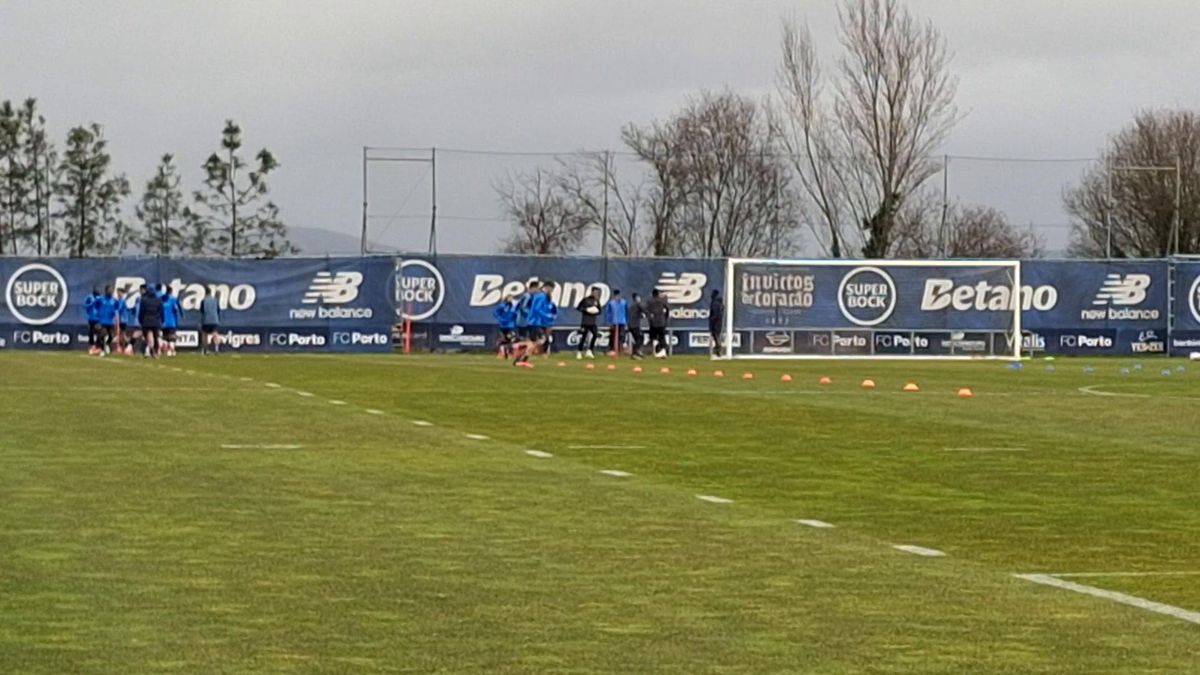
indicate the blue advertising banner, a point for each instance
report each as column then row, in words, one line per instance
column 1186, row 334
column 341, row 304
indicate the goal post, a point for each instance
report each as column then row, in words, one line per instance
column 899, row 309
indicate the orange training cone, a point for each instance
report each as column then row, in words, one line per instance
column 868, row 383
column 590, row 366
column 824, row 380
column 785, row 378
column 637, row 369
column 747, row 376
column 692, row 372
column 718, row 373
column 665, row 370
column 911, row 386
column 966, row 392
column 562, row 364
column 612, row 366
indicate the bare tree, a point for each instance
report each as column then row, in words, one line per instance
column 546, row 220
column 970, row 231
column 1142, row 208
column 720, row 188
column 860, row 151
column 610, row 206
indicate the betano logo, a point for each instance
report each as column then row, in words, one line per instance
column 333, row 288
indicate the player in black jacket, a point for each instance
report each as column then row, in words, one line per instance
column 589, row 310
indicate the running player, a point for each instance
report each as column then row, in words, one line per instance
column 523, row 302
column 108, row 309
column 130, row 333
column 91, row 308
column 172, row 313
column 505, row 315
column 542, row 315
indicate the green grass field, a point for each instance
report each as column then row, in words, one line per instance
column 133, row 539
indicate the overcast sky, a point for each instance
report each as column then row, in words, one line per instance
column 315, row 81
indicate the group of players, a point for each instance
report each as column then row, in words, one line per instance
column 145, row 322
column 526, row 323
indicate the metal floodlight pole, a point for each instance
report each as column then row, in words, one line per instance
column 604, row 216
column 368, row 159
column 363, row 243
column 945, row 204
column 1177, row 221
column 433, row 202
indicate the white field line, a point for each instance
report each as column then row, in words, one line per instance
column 605, row 447
column 478, row 437
column 272, row 385
column 244, row 379
column 373, row 411
column 422, row 423
column 305, row 394
column 1123, row 598
column 1095, row 391
column 919, row 550
column 261, row 446
column 997, row 448
column 540, row 454
column 337, row 402
column 714, row 500
column 616, row 473
column 1188, row 573
column 814, row 523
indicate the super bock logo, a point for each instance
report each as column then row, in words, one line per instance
column 36, row 294
column 867, row 296
column 419, row 290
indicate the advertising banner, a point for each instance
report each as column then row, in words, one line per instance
column 341, row 304
column 1185, row 338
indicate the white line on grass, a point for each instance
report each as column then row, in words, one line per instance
column 615, row 472
column 244, row 379
column 272, row 385
column 305, row 394
column 605, row 447
column 1123, row 598
column 997, row 448
column 1189, row 573
column 422, row 423
column 261, row 446
column 540, row 454
column 919, row 550
column 337, row 402
column 814, row 523
column 478, row 437
column 1094, row 391
column 714, row 500
column 373, row 411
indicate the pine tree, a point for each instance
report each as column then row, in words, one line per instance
column 89, row 197
column 40, row 161
column 161, row 212
column 238, row 218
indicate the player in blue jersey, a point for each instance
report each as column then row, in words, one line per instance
column 91, row 310
column 172, row 313
column 543, row 313
column 107, row 313
column 523, row 301
column 128, row 333
column 505, row 315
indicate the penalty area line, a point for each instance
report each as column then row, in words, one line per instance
column 1114, row 596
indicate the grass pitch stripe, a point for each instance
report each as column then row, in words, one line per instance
column 1123, row 598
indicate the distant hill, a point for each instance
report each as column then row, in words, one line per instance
column 319, row 241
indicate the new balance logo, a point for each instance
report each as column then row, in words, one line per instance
column 1128, row 289
column 683, row 288
column 337, row 288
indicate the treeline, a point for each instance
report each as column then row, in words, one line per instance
column 72, row 202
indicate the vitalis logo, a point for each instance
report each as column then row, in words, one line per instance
column 1119, row 295
column 36, row 294
column 867, row 296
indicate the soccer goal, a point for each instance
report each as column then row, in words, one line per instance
column 904, row 309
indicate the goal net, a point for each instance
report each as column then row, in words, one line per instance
column 872, row 309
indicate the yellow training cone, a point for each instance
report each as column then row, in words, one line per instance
column 718, row 373
column 966, row 392
column 824, row 380
column 911, row 386
column 692, row 372
column 868, row 384
column 637, row 369
column 785, row 378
